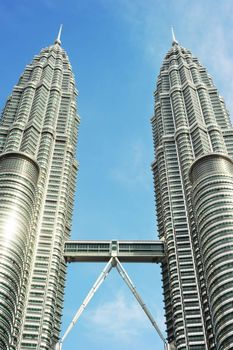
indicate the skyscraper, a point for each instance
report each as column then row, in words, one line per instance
column 38, row 134
column 193, row 175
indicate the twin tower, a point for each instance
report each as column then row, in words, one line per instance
column 193, row 177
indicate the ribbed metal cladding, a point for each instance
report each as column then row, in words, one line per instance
column 40, row 120
column 18, row 180
column 190, row 120
column 212, row 180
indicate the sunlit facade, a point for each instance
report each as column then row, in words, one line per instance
column 38, row 134
column 193, row 174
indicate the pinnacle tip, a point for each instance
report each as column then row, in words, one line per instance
column 174, row 41
column 58, row 40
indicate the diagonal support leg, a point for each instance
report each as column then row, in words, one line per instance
column 131, row 286
column 88, row 298
column 113, row 262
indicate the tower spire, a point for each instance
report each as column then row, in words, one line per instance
column 58, row 40
column 174, row 41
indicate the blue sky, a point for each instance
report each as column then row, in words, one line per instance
column 116, row 48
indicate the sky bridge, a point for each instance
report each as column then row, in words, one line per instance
column 126, row 251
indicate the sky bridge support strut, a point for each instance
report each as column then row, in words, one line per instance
column 113, row 262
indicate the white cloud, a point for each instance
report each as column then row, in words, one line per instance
column 214, row 49
column 120, row 319
column 205, row 27
column 133, row 167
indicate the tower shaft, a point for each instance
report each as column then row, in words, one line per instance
column 38, row 133
column 191, row 121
